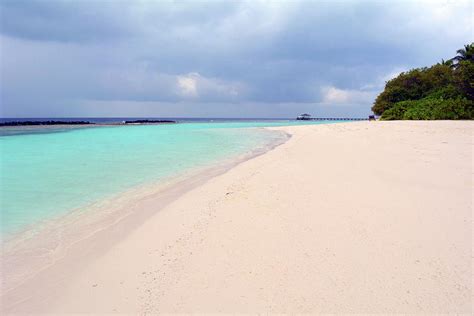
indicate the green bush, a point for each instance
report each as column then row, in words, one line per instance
column 431, row 108
column 448, row 92
column 453, row 109
column 414, row 85
column 444, row 91
column 396, row 112
column 464, row 78
column 420, row 111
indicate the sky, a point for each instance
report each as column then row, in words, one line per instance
column 216, row 58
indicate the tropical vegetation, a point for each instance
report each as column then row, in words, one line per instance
column 444, row 91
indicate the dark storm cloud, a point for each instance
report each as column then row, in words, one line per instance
column 63, row 21
column 164, row 57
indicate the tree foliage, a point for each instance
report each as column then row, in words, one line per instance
column 442, row 91
column 431, row 109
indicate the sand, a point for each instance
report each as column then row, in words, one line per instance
column 363, row 217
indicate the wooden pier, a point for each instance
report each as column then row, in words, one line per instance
column 333, row 119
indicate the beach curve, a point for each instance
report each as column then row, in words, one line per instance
column 342, row 218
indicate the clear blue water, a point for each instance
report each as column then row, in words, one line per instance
column 48, row 171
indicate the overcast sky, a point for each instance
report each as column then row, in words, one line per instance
column 216, row 58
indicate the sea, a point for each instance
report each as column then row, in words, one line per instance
column 47, row 172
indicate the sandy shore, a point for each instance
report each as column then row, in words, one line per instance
column 342, row 218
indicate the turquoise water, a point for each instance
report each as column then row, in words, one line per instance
column 48, row 172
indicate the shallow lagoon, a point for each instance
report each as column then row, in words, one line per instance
column 46, row 172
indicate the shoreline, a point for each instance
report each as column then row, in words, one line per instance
column 341, row 218
column 23, row 123
column 102, row 216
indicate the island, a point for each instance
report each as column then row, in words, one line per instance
column 34, row 123
column 149, row 122
column 51, row 122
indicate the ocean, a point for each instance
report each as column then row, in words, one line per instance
column 47, row 172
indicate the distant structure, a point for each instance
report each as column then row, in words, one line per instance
column 33, row 123
column 148, row 122
column 308, row 117
column 304, row 117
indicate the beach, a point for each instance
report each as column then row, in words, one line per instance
column 359, row 217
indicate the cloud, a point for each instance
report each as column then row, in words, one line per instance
column 333, row 95
column 188, row 84
column 66, row 21
column 253, row 53
column 193, row 85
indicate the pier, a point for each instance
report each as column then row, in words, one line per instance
column 334, row 119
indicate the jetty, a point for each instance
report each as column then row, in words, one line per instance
column 338, row 119
column 308, row 117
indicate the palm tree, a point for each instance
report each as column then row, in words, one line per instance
column 464, row 54
column 448, row 62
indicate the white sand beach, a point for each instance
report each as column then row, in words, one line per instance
column 362, row 217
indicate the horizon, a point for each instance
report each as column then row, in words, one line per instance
column 157, row 117
column 216, row 59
